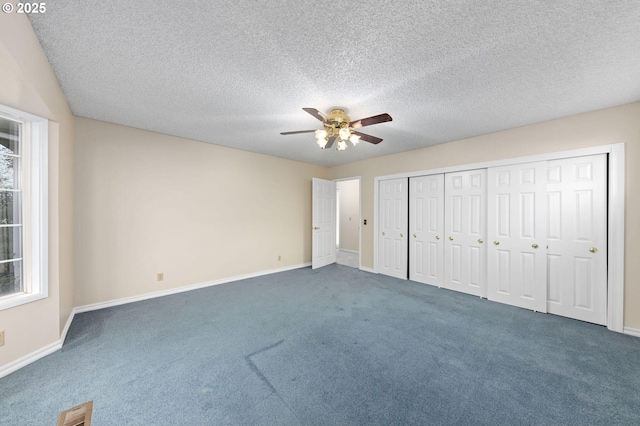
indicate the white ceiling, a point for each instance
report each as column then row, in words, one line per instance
column 237, row 73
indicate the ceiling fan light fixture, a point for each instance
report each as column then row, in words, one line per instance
column 321, row 134
column 322, row 142
column 339, row 126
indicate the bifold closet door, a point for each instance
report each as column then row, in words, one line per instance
column 392, row 231
column 465, row 230
column 517, row 269
column 426, row 226
column 577, row 238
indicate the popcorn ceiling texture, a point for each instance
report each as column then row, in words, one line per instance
column 237, row 73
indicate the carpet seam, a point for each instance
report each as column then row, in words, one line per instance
column 264, row 379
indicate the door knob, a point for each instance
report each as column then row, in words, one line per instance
column 480, row 241
column 383, row 234
column 315, row 228
column 437, row 237
column 535, row 246
column 593, row 250
column 415, row 236
column 496, row 243
column 401, row 235
column 450, row 238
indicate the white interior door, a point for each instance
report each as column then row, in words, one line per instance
column 323, row 223
column 392, row 229
column 517, row 231
column 426, row 226
column 465, row 230
column 577, row 238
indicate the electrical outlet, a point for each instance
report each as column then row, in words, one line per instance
column 160, row 276
column 279, row 257
column 1, row 337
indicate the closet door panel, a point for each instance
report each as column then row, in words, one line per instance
column 577, row 238
column 517, row 230
column 392, row 237
column 426, row 224
column 465, row 229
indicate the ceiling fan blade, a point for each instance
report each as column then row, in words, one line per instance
column 330, row 142
column 368, row 138
column 375, row 119
column 297, row 131
column 317, row 114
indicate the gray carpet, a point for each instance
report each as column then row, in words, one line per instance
column 332, row 346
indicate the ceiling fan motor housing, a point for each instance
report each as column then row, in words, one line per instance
column 338, row 116
column 336, row 120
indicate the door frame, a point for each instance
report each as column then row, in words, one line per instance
column 359, row 179
column 615, row 214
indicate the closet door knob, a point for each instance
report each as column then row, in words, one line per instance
column 496, row 243
column 593, row 250
column 535, row 246
column 437, row 237
column 480, row 241
column 383, row 234
column 401, row 235
column 315, row 228
column 450, row 238
column 415, row 236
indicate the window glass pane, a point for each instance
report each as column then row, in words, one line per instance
column 10, row 208
column 7, row 172
column 10, row 278
column 9, row 134
column 10, row 247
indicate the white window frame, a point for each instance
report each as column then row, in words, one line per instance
column 34, row 140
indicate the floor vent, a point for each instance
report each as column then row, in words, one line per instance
column 77, row 416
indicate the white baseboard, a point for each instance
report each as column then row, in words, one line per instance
column 349, row 251
column 632, row 331
column 65, row 330
column 147, row 296
column 365, row 269
column 7, row 369
column 51, row 348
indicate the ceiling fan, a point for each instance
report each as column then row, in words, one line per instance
column 338, row 125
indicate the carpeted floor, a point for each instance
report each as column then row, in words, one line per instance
column 331, row 346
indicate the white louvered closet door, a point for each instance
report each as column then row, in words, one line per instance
column 577, row 238
column 392, row 230
column 517, row 235
column 465, row 231
column 426, row 226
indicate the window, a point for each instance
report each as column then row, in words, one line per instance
column 23, row 208
column 11, row 281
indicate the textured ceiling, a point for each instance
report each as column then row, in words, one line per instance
column 237, row 73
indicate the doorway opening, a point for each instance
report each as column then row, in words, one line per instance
column 348, row 222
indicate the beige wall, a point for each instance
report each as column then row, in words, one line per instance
column 612, row 125
column 28, row 83
column 349, row 198
column 149, row 203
